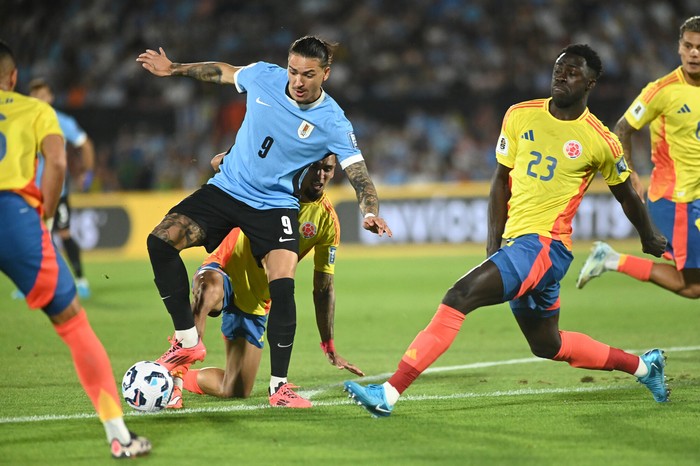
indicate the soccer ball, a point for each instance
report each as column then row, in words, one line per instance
column 147, row 386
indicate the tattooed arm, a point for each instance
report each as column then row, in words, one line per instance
column 367, row 198
column 160, row 65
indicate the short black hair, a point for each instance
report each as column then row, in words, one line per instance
column 591, row 56
column 7, row 60
column 6, row 51
column 691, row 24
column 314, row 47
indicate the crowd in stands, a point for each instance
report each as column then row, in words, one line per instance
column 425, row 82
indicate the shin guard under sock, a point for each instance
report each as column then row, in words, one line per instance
column 427, row 346
column 635, row 267
column 582, row 351
column 281, row 325
column 172, row 281
column 92, row 365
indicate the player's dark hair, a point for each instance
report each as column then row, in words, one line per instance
column 314, row 47
column 586, row 52
column 38, row 83
column 7, row 59
column 691, row 24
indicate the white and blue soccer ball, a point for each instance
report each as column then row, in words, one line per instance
column 147, row 386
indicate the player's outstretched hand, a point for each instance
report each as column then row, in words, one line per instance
column 156, row 63
column 654, row 245
column 376, row 225
column 340, row 362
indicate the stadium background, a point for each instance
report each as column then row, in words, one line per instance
column 425, row 88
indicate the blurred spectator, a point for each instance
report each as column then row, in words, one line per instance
column 424, row 84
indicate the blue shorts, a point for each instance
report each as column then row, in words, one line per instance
column 28, row 257
column 234, row 322
column 531, row 268
column 680, row 224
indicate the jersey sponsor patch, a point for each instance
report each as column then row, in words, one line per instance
column 304, row 130
column 353, row 140
column 573, row 149
column 638, row 110
column 621, row 166
column 331, row 255
column 502, row 146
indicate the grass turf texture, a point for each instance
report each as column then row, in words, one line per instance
column 487, row 400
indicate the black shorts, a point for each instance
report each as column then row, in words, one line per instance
column 61, row 221
column 217, row 213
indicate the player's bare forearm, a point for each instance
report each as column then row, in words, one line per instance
column 208, row 72
column 498, row 209
column 652, row 242
column 324, row 303
column 159, row 64
column 367, row 198
column 624, row 132
column 364, row 188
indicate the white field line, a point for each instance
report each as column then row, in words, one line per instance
column 311, row 393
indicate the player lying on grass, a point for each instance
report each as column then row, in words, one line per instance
column 535, row 192
column 231, row 281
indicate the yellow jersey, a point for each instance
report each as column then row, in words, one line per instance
column 553, row 163
column 24, row 123
column 319, row 229
column 671, row 108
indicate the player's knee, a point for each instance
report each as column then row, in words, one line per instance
column 459, row 298
column 545, row 350
column 691, row 293
column 208, row 297
column 159, row 249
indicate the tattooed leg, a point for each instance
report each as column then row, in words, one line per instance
column 175, row 233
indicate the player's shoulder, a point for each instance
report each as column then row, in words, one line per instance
column 658, row 86
column 599, row 131
column 260, row 69
column 321, row 211
column 528, row 105
column 31, row 103
column 525, row 107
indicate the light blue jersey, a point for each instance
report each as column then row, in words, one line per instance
column 74, row 134
column 279, row 139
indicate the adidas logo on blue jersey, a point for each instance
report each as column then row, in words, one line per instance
column 684, row 109
column 529, row 135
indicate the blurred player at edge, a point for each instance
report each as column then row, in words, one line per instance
column 230, row 280
column 28, row 256
column 670, row 107
column 78, row 138
column 290, row 123
column 548, row 152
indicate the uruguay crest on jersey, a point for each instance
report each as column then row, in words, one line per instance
column 304, row 130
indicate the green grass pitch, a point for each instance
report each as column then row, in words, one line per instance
column 486, row 401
